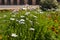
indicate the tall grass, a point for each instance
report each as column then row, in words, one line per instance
column 29, row 25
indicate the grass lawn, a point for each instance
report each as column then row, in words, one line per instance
column 29, row 25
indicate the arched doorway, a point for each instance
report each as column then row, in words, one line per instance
column 21, row 2
column 37, row 2
column 2, row 2
column 15, row 2
column 8, row 2
column 30, row 2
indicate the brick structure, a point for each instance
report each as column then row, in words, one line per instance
column 0, row 2
column 18, row 2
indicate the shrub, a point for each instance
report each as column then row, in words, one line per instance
column 48, row 4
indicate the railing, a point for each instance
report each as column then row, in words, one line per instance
column 18, row 2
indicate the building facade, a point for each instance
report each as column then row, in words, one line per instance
column 19, row 2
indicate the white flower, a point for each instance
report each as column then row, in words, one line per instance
column 48, row 15
column 27, row 13
column 4, row 15
column 32, row 29
column 48, row 10
column 24, row 8
column 57, row 9
column 15, row 11
column 41, row 12
column 14, row 35
column 12, row 18
column 13, row 15
column 31, row 22
column 53, row 9
column 35, row 16
column 27, row 19
column 22, row 16
column 17, row 20
column 37, row 22
column 22, row 21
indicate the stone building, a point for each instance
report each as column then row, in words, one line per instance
column 19, row 2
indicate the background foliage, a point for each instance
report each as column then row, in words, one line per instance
column 48, row 4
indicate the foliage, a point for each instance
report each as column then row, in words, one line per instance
column 48, row 4
column 29, row 25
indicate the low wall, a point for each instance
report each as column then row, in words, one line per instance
column 7, row 7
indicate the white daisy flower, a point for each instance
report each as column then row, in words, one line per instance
column 22, row 21
column 13, row 15
column 53, row 9
column 17, row 20
column 32, row 29
column 4, row 15
column 35, row 16
column 12, row 18
column 22, row 16
column 48, row 15
column 49, row 10
column 31, row 22
column 27, row 19
column 37, row 22
column 14, row 35
column 15, row 11
column 24, row 8
column 27, row 13
column 57, row 9
column 41, row 12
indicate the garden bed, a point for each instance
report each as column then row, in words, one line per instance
column 29, row 25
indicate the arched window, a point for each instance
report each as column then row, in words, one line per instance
column 30, row 2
